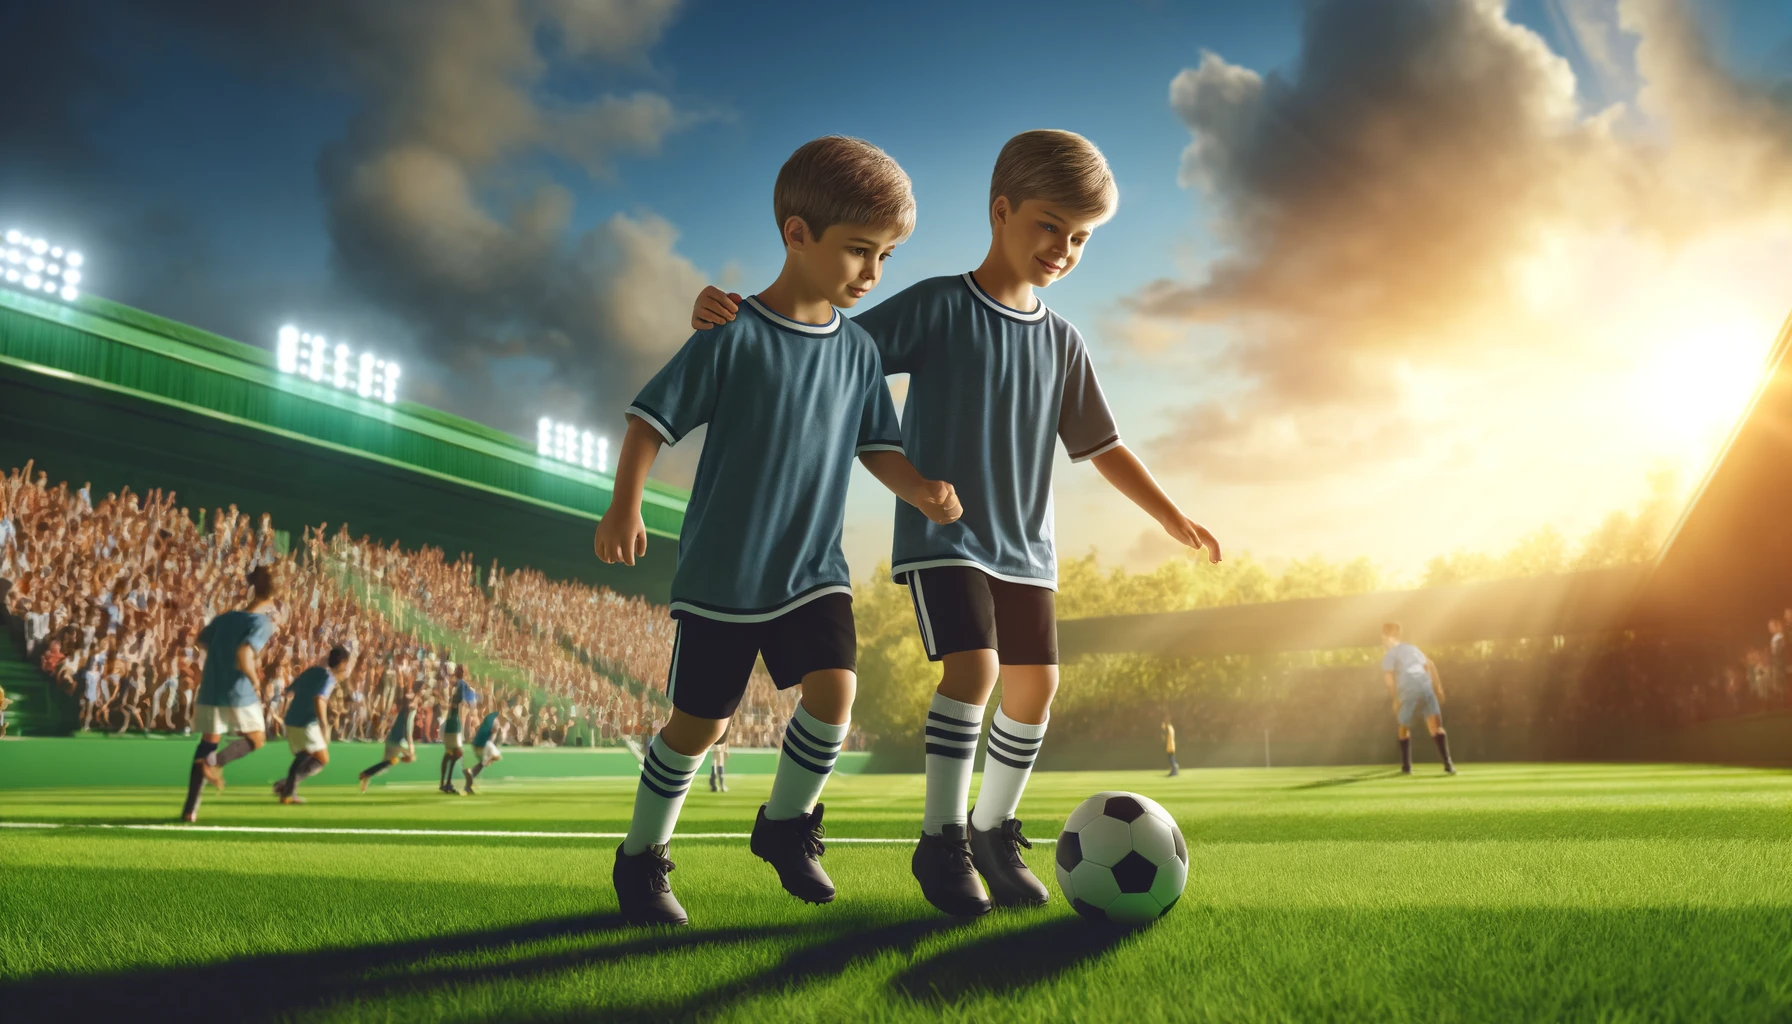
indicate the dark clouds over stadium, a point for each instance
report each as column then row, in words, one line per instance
column 440, row 216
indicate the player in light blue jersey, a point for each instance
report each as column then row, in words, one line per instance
column 792, row 392
column 996, row 382
column 230, row 686
column 1417, row 690
column 485, row 750
column 399, row 746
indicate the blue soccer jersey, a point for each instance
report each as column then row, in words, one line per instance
column 789, row 406
column 991, row 391
column 1407, row 663
column 223, row 684
column 302, row 695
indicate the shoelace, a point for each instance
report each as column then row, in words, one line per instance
column 658, row 868
column 1011, row 833
column 812, row 844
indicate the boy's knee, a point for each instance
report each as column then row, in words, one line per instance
column 828, row 694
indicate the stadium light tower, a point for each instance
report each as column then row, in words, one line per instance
column 41, row 268
column 304, row 354
column 568, row 443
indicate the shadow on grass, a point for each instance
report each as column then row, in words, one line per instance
column 278, row 985
column 1007, row 963
column 1345, row 780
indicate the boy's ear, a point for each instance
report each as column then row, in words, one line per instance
column 999, row 210
column 796, row 232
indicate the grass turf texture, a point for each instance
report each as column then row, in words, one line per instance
column 1510, row 893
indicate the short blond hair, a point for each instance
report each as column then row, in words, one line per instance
column 1060, row 167
column 1390, row 629
column 837, row 179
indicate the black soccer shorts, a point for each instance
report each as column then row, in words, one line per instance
column 712, row 659
column 960, row 608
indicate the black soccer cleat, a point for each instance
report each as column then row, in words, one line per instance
column 642, row 890
column 996, row 856
column 794, row 847
column 942, row 864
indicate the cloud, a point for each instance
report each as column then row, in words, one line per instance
column 1400, row 197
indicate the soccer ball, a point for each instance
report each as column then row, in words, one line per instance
column 1121, row 858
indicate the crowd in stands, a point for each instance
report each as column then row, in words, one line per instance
column 112, row 595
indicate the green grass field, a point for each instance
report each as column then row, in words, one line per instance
column 1513, row 892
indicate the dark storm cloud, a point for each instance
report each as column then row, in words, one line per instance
column 1384, row 192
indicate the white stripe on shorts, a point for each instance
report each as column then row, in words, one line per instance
column 677, row 641
column 921, row 617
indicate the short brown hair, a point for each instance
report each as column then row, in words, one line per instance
column 837, row 179
column 1059, row 167
column 1390, row 629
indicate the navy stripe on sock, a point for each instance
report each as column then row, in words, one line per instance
column 951, row 734
column 824, row 753
column 663, row 779
column 666, row 770
column 935, row 716
column 961, row 753
column 811, row 737
column 997, row 744
column 1009, row 761
column 670, row 794
column 800, row 761
column 1019, row 741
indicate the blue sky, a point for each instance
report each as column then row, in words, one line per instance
column 198, row 152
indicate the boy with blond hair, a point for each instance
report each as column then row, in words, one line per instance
column 995, row 380
column 1417, row 691
column 791, row 392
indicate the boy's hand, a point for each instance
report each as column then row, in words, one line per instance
column 938, row 501
column 621, row 536
column 713, row 306
column 1193, row 534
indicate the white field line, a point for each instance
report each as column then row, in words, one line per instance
column 477, row 833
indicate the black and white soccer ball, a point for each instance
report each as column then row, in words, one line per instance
column 1121, row 858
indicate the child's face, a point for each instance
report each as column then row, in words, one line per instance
column 847, row 261
column 1041, row 241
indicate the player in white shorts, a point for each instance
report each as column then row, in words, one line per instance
column 229, row 686
column 399, row 746
column 307, row 721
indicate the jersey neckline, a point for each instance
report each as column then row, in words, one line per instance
column 785, row 322
column 1010, row 312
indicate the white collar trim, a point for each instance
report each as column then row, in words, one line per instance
column 1010, row 312
column 795, row 325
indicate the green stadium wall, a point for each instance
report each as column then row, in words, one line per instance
column 96, row 391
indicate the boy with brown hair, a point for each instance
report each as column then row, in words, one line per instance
column 995, row 380
column 791, row 392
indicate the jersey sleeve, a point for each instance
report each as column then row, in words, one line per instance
column 260, row 632
column 1387, row 662
column 1085, row 423
column 895, row 325
column 329, row 688
column 879, row 430
column 206, row 634
column 682, row 396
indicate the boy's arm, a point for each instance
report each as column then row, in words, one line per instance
column 1120, row 467
column 936, row 499
column 1393, row 691
column 1437, row 680
column 621, row 535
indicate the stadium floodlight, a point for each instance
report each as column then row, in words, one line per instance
column 38, row 266
column 314, row 356
column 568, row 443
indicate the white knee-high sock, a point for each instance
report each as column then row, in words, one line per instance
column 1012, row 748
column 952, row 728
column 810, row 747
column 665, row 779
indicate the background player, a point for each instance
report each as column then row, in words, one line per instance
column 230, row 686
column 308, row 720
column 718, row 763
column 465, row 698
column 399, row 745
column 1417, row 689
column 1170, row 748
column 485, row 748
